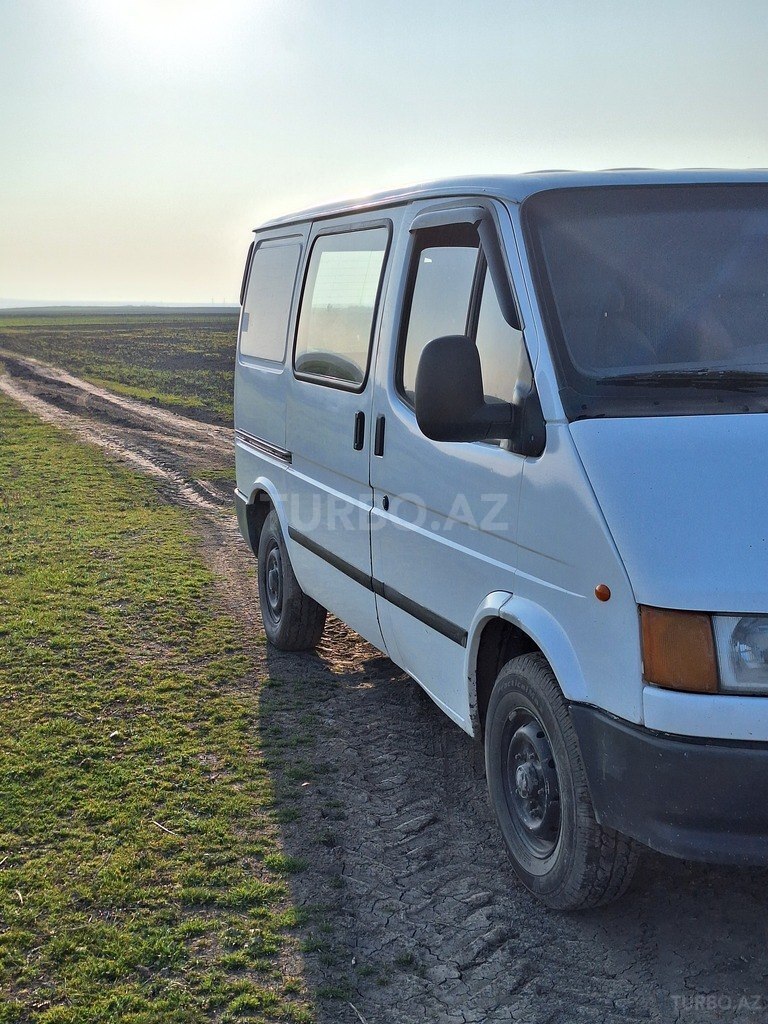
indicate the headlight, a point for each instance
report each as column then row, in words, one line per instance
column 704, row 653
column 741, row 642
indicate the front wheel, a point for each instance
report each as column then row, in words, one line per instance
column 293, row 621
column 539, row 792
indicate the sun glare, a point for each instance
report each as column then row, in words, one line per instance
column 175, row 30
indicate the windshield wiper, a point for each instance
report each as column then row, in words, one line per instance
column 737, row 380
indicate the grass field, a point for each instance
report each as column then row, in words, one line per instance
column 181, row 359
column 141, row 873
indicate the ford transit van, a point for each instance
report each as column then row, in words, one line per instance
column 512, row 430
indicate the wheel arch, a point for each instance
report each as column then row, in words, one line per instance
column 263, row 497
column 504, row 628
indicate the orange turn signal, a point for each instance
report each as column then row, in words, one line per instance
column 678, row 649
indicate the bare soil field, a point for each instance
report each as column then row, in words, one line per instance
column 177, row 358
column 417, row 916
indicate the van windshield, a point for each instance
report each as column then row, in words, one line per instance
column 655, row 297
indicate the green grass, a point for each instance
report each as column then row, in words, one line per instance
column 182, row 360
column 141, row 873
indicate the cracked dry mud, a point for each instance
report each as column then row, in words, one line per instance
column 422, row 919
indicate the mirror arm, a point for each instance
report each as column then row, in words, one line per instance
column 500, row 418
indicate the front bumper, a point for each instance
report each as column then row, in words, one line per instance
column 709, row 716
column 689, row 797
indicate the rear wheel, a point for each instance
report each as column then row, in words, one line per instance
column 539, row 792
column 293, row 621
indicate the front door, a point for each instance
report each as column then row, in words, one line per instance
column 444, row 519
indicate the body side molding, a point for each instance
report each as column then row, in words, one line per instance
column 429, row 618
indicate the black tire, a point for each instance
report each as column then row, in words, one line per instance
column 292, row 620
column 538, row 789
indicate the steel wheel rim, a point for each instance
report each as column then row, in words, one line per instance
column 273, row 581
column 531, row 785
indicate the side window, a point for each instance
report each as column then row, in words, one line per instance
column 503, row 357
column 442, row 289
column 333, row 341
column 452, row 293
column 267, row 310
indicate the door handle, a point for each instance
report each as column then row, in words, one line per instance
column 378, row 443
column 359, row 431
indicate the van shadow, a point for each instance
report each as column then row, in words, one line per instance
column 412, row 910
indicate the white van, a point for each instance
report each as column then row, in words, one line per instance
column 509, row 429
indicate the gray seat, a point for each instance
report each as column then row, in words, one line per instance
column 598, row 332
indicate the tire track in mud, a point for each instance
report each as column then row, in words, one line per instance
column 416, row 915
column 152, row 441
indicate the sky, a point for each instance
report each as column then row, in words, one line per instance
column 142, row 140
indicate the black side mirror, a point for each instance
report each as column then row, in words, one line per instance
column 450, row 404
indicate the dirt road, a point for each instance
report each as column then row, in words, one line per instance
column 415, row 914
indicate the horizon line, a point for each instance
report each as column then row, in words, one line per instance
column 15, row 304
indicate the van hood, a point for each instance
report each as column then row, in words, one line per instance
column 685, row 500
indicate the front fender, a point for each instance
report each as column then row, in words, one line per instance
column 543, row 629
column 550, row 637
column 490, row 609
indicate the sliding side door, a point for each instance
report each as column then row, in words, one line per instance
column 329, row 415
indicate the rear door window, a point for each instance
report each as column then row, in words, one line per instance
column 267, row 309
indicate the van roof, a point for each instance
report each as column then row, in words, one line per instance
column 516, row 187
